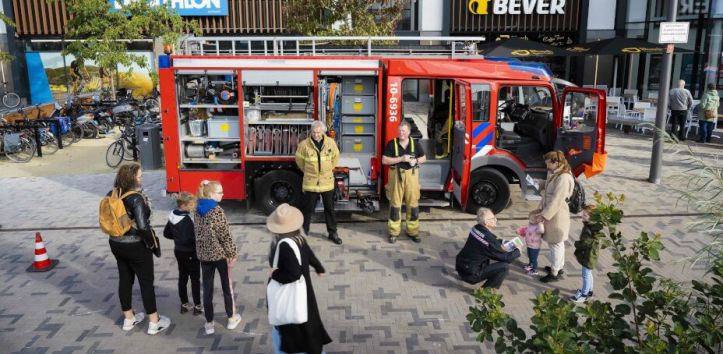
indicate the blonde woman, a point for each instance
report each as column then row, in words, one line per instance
column 554, row 212
column 311, row 336
column 216, row 250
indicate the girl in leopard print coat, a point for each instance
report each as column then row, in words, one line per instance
column 216, row 249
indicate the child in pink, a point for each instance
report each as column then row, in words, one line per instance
column 532, row 233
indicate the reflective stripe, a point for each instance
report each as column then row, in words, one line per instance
column 41, row 257
column 396, row 146
column 313, row 158
column 39, row 245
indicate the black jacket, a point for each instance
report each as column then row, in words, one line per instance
column 481, row 247
column 309, row 337
column 179, row 228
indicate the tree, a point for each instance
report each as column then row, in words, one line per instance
column 343, row 17
column 647, row 313
column 5, row 56
column 102, row 33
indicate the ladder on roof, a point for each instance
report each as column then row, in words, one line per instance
column 451, row 47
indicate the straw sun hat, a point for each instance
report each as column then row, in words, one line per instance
column 285, row 219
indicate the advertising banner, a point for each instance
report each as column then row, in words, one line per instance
column 185, row 7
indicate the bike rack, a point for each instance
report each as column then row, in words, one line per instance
column 33, row 124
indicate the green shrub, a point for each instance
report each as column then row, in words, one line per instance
column 646, row 313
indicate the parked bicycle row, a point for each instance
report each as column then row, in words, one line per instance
column 44, row 129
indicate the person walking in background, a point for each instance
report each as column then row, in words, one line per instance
column 133, row 258
column 587, row 249
column 316, row 157
column 679, row 101
column 708, row 113
column 216, row 250
column 473, row 263
column 309, row 337
column 553, row 211
column 403, row 155
column 532, row 233
column 179, row 228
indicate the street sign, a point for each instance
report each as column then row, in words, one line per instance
column 673, row 32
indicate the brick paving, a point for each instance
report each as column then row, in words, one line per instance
column 376, row 297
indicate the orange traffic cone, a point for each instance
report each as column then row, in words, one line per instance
column 42, row 262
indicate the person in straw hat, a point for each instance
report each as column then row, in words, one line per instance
column 310, row 337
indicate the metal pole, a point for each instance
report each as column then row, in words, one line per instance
column 656, row 160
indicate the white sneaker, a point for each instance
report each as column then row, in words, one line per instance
column 233, row 321
column 128, row 324
column 162, row 324
column 209, row 327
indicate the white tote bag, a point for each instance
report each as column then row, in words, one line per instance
column 287, row 302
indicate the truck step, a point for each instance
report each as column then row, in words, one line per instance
column 350, row 206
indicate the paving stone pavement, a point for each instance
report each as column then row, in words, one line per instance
column 376, row 297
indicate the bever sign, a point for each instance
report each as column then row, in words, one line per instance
column 517, row 7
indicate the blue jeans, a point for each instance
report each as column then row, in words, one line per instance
column 276, row 338
column 532, row 254
column 586, row 281
column 706, row 131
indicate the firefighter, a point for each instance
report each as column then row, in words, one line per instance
column 316, row 157
column 403, row 155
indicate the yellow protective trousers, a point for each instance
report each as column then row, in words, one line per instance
column 403, row 187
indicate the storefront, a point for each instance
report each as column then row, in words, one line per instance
column 555, row 22
column 38, row 40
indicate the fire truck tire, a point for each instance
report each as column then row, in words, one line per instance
column 277, row 187
column 489, row 188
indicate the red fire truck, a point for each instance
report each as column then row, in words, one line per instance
column 234, row 110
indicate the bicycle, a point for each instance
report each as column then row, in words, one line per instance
column 48, row 141
column 122, row 149
column 15, row 145
column 9, row 99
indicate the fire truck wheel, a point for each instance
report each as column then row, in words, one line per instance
column 278, row 187
column 489, row 188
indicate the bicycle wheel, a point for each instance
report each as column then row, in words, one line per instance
column 25, row 153
column 90, row 131
column 68, row 138
column 114, row 154
column 128, row 150
column 50, row 144
column 11, row 100
column 77, row 132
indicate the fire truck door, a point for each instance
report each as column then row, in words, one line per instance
column 581, row 128
column 461, row 144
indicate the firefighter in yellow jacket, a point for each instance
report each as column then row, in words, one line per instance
column 316, row 157
column 403, row 155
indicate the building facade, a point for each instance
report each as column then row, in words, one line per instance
column 41, row 26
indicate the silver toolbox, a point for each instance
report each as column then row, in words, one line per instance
column 357, row 144
column 357, row 86
column 365, row 105
column 223, row 127
column 357, row 125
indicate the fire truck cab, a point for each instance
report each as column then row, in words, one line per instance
column 237, row 116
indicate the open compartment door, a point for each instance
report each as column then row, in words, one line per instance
column 581, row 129
column 461, row 146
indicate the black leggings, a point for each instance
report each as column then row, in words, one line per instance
column 188, row 267
column 134, row 260
column 209, row 270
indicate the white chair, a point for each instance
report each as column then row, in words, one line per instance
column 649, row 115
column 692, row 119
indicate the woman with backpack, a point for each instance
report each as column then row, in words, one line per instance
column 134, row 258
column 554, row 212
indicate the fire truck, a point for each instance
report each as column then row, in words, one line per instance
column 234, row 109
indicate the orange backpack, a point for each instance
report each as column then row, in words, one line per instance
column 112, row 214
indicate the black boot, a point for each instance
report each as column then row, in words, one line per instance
column 335, row 238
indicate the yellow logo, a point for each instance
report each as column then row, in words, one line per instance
column 526, row 53
column 478, row 7
column 631, row 50
column 578, row 49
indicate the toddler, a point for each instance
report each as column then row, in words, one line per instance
column 532, row 233
column 586, row 252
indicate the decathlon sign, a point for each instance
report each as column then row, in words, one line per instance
column 184, row 7
column 517, row 7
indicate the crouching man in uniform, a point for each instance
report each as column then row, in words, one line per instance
column 403, row 156
column 483, row 256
